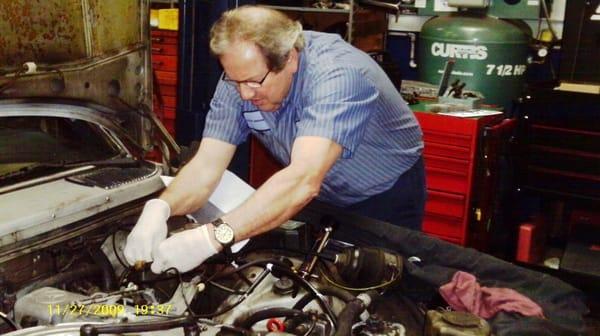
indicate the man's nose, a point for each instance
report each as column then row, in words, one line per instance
column 245, row 92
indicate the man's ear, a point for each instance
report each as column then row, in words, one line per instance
column 293, row 60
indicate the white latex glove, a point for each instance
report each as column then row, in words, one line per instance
column 184, row 250
column 149, row 231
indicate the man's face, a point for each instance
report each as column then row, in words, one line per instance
column 244, row 62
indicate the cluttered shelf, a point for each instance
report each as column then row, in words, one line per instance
column 364, row 27
column 310, row 9
column 558, row 178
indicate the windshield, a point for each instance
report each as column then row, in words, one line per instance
column 36, row 146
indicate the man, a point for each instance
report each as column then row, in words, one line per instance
column 323, row 108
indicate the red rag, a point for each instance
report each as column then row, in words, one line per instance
column 463, row 293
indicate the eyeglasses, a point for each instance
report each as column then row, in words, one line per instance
column 250, row 84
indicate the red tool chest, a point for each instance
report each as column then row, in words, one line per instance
column 164, row 65
column 451, row 148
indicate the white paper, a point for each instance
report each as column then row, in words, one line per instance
column 231, row 192
column 471, row 113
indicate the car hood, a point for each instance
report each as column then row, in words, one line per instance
column 94, row 51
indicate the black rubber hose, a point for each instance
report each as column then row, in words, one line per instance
column 81, row 271
column 109, row 279
column 246, row 322
column 337, row 292
column 351, row 312
column 309, row 288
column 348, row 316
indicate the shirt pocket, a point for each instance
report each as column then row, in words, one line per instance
column 256, row 121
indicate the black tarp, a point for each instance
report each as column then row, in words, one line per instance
column 563, row 305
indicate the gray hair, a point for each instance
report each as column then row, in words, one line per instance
column 271, row 31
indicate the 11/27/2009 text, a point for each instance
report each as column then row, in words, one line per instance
column 105, row 310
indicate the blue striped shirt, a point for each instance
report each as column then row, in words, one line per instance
column 338, row 93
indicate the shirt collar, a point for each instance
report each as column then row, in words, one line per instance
column 293, row 95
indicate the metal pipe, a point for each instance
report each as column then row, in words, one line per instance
column 413, row 40
column 306, row 271
column 394, row 7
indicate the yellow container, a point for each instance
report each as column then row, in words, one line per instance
column 154, row 18
column 168, row 19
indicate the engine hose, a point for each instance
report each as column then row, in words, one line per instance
column 339, row 293
column 348, row 316
column 81, row 271
column 285, row 269
column 351, row 312
column 246, row 322
column 109, row 279
column 308, row 287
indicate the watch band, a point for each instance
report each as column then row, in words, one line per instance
column 226, row 247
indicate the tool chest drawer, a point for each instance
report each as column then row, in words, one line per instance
column 166, row 77
column 169, row 125
column 447, row 174
column 445, row 204
column 167, row 83
column 164, row 65
column 166, row 112
column 450, row 151
column 169, row 101
column 444, row 227
column 448, row 126
column 167, row 90
column 450, row 139
column 164, row 49
column 447, row 163
column 161, row 36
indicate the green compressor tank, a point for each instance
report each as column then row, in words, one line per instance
column 490, row 54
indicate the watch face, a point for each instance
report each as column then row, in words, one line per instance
column 224, row 234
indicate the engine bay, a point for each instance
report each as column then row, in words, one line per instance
column 314, row 285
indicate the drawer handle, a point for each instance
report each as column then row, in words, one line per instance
column 159, row 63
column 158, row 50
column 447, row 134
column 156, row 39
column 437, row 158
column 446, row 195
column 445, row 171
column 457, row 149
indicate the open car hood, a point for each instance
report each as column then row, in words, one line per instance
column 96, row 51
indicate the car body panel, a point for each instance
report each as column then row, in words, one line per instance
column 58, row 203
column 95, row 51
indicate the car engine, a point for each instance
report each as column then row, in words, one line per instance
column 305, row 284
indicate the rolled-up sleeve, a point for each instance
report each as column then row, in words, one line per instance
column 224, row 120
column 338, row 105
